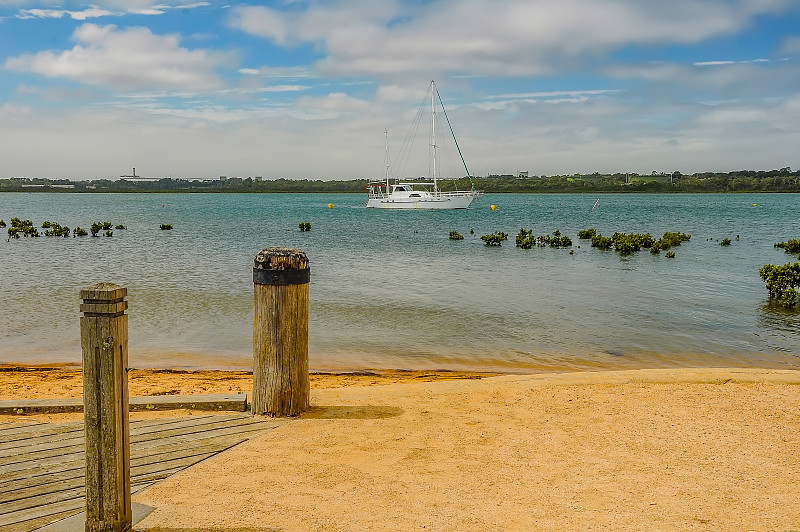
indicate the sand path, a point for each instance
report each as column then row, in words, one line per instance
column 633, row 450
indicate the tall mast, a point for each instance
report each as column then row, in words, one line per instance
column 386, row 157
column 433, row 133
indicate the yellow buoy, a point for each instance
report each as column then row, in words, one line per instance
column 493, row 207
column 754, row 204
column 330, row 205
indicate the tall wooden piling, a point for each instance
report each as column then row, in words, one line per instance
column 104, row 342
column 281, row 385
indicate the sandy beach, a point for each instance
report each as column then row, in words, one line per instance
column 672, row 449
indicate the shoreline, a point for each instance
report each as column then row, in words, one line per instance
column 65, row 380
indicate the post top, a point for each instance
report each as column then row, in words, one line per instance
column 279, row 258
column 104, row 292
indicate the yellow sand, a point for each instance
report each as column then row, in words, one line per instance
column 684, row 449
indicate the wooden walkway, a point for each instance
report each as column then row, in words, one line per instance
column 42, row 465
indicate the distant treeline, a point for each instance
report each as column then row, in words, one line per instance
column 783, row 180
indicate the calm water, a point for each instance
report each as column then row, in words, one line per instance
column 390, row 290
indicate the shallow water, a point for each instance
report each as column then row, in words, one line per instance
column 390, row 290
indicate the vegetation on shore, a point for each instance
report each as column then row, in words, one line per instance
column 783, row 180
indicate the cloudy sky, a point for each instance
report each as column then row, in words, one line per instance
column 305, row 88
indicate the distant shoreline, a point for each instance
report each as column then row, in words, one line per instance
column 742, row 181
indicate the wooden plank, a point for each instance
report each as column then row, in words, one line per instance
column 186, row 422
column 12, row 426
column 42, row 500
column 38, row 454
column 199, row 429
column 52, row 511
column 236, row 402
column 227, row 431
column 56, row 445
column 208, row 402
column 43, row 444
column 22, row 407
column 34, row 492
column 35, row 524
column 10, row 471
column 44, row 466
column 38, row 430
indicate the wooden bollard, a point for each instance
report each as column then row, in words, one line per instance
column 281, row 385
column 104, row 342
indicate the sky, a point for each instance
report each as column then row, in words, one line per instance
column 305, row 88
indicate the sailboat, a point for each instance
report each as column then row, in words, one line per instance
column 418, row 195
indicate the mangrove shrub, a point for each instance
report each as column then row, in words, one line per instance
column 791, row 246
column 495, row 239
column 781, row 282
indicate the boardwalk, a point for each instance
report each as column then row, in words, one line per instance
column 42, row 465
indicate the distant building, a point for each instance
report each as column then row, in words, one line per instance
column 523, row 174
column 259, row 178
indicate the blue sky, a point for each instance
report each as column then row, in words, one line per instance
column 305, row 89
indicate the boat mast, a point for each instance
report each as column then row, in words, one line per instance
column 386, row 157
column 433, row 133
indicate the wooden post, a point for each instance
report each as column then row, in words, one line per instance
column 104, row 342
column 281, row 385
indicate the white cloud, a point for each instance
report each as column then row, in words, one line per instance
column 791, row 45
column 124, row 59
column 718, row 63
column 481, row 37
column 120, row 8
column 91, row 12
column 327, row 107
column 295, row 72
column 261, row 21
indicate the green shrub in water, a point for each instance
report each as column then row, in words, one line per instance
column 22, row 226
column 791, row 246
column 455, row 235
column 495, row 239
column 602, row 242
column 781, row 282
column 525, row 239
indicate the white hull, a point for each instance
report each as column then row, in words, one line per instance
column 445, row 202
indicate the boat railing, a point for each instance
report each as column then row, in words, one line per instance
column 458, row 193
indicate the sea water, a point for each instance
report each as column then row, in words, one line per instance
column 389, row 289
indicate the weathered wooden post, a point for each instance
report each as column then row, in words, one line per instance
column 104, row 342
column 281, row 385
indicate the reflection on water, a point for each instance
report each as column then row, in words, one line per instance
column 390, row 290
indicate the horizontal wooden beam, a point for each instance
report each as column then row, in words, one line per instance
column 211, row 402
